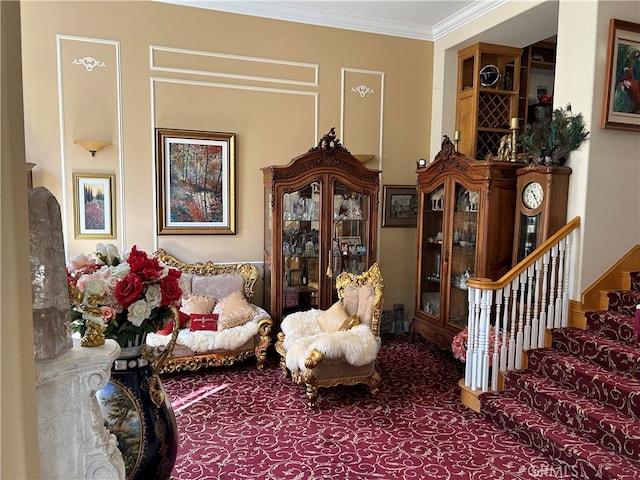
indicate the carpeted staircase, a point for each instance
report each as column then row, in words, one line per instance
column 579, row 400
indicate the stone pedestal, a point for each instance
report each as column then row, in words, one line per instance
column 74, row 443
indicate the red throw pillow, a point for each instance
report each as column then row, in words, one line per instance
column 203, row 321
column 168, row 328
column 184, row 319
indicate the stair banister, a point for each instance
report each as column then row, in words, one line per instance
column 529, row 299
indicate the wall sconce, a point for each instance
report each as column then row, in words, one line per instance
column 92, row 146
column 364, row 157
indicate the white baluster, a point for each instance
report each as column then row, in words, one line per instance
column 514, row 328
column 505, row 328
column 472, row 293
column 552, row 285
column 520, row 334
column 536, row 340
column 545, row 285
column 485, row 325
column 557, row 322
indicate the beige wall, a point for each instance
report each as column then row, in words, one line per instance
column 278, row 85
column 19, row 457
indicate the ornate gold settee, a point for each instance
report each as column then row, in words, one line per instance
column 227, row 291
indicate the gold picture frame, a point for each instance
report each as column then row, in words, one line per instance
column 619, row 111
column 94, row 205
column 195, row 182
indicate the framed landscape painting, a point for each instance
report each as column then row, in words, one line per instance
column 93, row 205
column 621, row 104
column 400, row 206
column 195, row 182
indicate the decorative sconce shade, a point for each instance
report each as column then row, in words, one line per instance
column 364, row 157
column 92, row 146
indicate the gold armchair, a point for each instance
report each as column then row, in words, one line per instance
column 337, row 346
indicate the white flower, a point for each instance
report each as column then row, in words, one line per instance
column 107, row 253
column 112, row 252
column 153, row 296
column 94, row 286
column 138, row 312
column 121, row 270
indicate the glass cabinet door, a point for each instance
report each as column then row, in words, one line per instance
column 350, row 235
column 300, row 241
column 431, row 255
column 463, row 253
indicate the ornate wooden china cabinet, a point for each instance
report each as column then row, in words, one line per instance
column 465, row 229
column 320, row 219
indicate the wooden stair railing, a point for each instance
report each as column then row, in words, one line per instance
column 511, row 315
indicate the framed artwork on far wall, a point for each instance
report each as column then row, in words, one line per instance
column 93, row 205
column 195, row 182
column 621, row 101
column 399, row 206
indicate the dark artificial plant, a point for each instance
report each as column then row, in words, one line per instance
column 550, row 140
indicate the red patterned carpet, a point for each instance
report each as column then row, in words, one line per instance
column 238, row 423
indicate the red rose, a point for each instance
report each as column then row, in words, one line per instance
column 151, row 269
column 171, row 291
column 137, row 259
column 129, row 289
column 172, row 272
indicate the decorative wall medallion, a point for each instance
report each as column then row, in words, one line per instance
column 89, row 63
column 363, row 90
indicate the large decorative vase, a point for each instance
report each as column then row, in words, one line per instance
column 137, row 410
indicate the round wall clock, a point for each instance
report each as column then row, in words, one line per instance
column 532, row 195
column 489, row 75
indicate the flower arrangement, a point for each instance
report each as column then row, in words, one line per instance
column 460, row 341
column 123, row 297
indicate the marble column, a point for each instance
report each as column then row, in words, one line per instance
column 74, row 442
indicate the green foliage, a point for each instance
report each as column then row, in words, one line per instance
column 550, row 140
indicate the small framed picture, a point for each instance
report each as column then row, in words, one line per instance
column 400, row 206
column 295, row 278
column 93, row 205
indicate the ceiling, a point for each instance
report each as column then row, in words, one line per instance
column 417, row 19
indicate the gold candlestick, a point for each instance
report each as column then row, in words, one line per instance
column 515, row 126
column 456, row 139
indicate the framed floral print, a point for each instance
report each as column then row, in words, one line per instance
column 93, row 205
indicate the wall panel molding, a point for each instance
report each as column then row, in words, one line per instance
column 365, row 113
column 70, row 106
column 234, row 67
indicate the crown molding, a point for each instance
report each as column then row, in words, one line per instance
column 330, row 18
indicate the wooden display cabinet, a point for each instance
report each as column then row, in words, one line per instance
column 487, row 97
column 465, row 229
column 538, row 63
column 320, row 219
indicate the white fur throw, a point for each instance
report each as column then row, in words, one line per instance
column 357, row 346
column 203, row 341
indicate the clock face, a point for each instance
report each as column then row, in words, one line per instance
column 489, row 75
column 532, row 195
